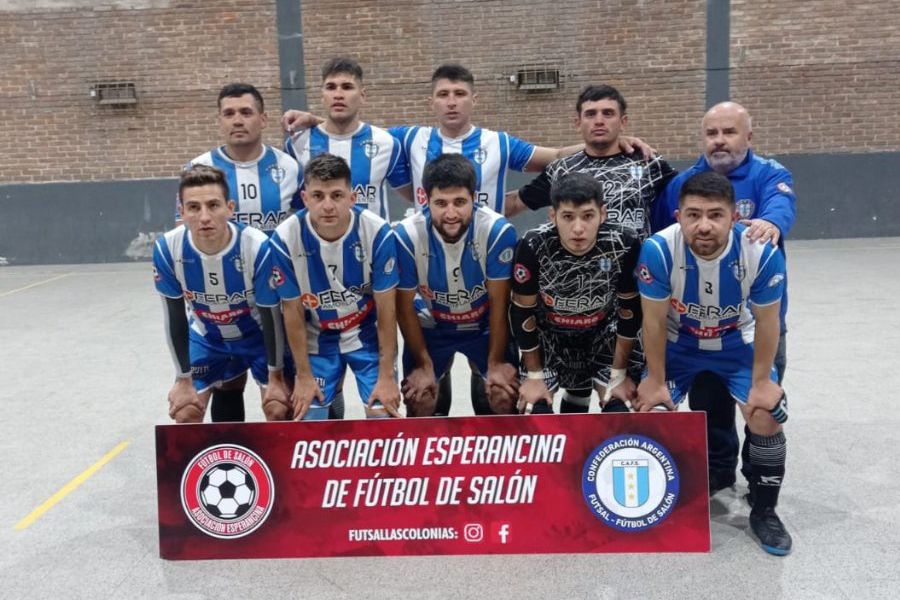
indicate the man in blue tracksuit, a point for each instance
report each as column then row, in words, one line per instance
column 766, row 203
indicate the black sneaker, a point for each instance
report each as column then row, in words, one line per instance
column 770, row 531
column 719, row 480
column 615, row 406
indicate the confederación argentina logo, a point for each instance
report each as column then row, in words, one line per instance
column 227, row 491
column 630, row 482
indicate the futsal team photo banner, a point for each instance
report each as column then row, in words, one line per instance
column 468, row 485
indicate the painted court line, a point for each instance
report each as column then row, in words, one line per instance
column 70, row 487
column 31, row 285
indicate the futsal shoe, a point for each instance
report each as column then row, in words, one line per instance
column 770, row 531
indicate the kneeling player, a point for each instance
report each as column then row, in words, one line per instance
column 569, row 276
column 697, row 279
column 209, row 264
column 334, row 267
column 459, row 259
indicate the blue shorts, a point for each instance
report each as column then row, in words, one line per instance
column 733, row 367
column 328, row 369
column 215, row 363
column 443, row 344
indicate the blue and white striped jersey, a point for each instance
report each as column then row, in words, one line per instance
column 374, row 156
column 335, row 281
column 491, row 152
column 218, row 289
column 709, row 298
column 264, row 191
column 451, row 278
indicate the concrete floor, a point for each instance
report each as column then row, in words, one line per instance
column 85, row 368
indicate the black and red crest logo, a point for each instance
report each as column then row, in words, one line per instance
column 227, row 491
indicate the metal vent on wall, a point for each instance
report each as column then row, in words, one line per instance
column 537, row 78
column 114, row 93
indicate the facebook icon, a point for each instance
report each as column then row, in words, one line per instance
column 500, row 533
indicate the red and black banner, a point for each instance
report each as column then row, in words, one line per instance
column 473, row 485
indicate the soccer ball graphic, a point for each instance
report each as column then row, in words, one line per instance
column 227, row 491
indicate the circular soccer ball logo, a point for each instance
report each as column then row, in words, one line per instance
column 227, row 491
column 630, row 482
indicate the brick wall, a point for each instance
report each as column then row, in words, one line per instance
column 178, row 57
column 818, row 76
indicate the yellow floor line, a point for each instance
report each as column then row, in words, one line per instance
column 31, row 285
column 70, row 487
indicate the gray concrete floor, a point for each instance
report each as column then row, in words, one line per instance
column 84, row 367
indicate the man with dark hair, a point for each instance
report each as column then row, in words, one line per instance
column 455, row 268
column 630, row 181
column 571, row 276
column 766, row 204
column 209, row 264
column 711, row 298
column 263, row 184
column 492, row 153
column 376, row 159
column 333, row 266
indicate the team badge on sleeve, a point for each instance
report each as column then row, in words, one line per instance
column 277, row 278
column 776, row 279
column 421, row 196
column 783, row 187
column 506, row 255
column 521, row 273
column 156, row 276
column 644, row 274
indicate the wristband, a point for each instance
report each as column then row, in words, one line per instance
column 534, row 375
column 616, row 376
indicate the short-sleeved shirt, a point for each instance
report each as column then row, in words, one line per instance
column 335, row 281
column 709, row 299
column 375, row 158
column 264, row 190
column 218, row 289
column 577, row 295
column 630, row 185
column 490, row 152
column 451, row 278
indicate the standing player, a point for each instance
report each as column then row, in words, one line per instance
column 333, row 265
column 630, row 182
column 453, row 101
column 699, row 280
column 209, row 265
column 374, row 156
column 569, row 277
column 263, row 185
column 767, row 205
column 491, row 153
column 458, row 257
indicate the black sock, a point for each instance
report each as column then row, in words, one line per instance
column 480, row 404
column 767, row 457
column 575, row 401
column 445, row 392
column 227, row 406
column 336, row 410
